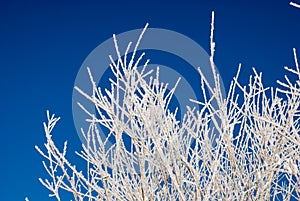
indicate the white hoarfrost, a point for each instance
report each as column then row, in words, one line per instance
column 295, row 4
column 255, row 155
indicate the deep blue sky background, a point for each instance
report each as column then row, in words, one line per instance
column 43, row 44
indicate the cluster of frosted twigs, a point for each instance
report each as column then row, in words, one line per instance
column 244, row 146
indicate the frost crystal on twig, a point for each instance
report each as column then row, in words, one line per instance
column 295, row 4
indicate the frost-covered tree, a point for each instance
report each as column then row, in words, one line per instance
column 244, row 146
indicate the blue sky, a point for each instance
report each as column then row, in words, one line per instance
column 43, row 44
